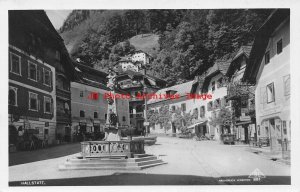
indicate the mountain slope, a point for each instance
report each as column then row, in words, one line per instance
column 146, row 42
column 182, row 42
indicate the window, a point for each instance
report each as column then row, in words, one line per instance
column 12, row 96
column 196, row 113
column 209, row 106
column 220, row 82
column 279, row 46
column 124, row 118
column 82, row 113
column 267, row 57
column 217, row 103
column 284, row 127
column 173, row 108
column 33, row 101
column 183, row 107
column 270, row 93
column 286, row 83
column 57, row 55
column 202, row 111
column 46, row 131
column 81, row 93
column 32, row 71
column 105, row 116
column 47, row 105
column 15, row 64
column 225, row 101
column 95, row 115
column 213, row 86
column 47, row 77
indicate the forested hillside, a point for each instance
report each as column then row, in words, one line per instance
column 185, row 41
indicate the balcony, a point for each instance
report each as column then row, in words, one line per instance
column 236, row 89
column 63, row 93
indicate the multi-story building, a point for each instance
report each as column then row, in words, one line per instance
column 269, row 69
column 181, row 102
column 89, row 105
column 127, row 64
column 242, row 96
column 214, row 84
column 39, row 74
column 135, row 84
column 140, row 56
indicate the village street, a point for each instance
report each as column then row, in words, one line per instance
column 188, row 162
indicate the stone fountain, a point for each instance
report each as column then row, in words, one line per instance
column 112, row 152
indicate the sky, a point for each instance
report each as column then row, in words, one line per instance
column 57, row 17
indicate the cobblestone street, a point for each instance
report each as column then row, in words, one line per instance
column 189, row 162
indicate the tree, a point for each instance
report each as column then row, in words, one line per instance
column 222, row 119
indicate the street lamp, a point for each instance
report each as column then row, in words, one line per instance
column 145, row 100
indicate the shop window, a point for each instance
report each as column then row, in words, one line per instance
column 279, row 46
column 270, row 93
column 33, row 101
column 47, row 77
column 81, row 113
column 15, row 64
column 267, row 57
column 12, row 96
column 32, row 71
column 47, row 105
column 95, row 115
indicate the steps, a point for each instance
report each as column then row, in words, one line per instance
column 139, row 161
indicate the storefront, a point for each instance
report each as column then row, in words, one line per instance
column 277, row 131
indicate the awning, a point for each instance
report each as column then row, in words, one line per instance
column 200, row 123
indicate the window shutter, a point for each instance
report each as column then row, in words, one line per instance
column 42, row 75
column 38, row 104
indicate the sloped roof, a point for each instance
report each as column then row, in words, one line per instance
column 24, row 24
column 181, row 89
column 220, row 66
column 261, row 42
column 244, row 50
column 198, row 82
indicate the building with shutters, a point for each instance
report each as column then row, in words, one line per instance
column 269, row 69
column 40, row 71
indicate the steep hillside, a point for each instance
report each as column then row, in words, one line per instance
column 182, row 42
column 146, row 42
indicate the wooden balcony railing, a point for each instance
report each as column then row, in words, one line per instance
column 137, row 115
